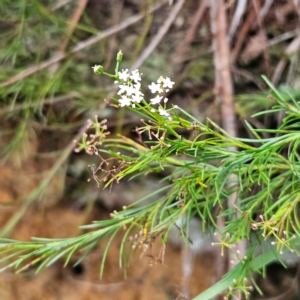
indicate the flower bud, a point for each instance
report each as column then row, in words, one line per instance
column 119, row 56
column 98, row 69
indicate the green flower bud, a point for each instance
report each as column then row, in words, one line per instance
column 98, row 69
column 119, row 56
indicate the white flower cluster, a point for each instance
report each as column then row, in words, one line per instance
column 131, row 94
column 130, row 90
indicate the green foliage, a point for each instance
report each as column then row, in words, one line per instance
column 202, row 170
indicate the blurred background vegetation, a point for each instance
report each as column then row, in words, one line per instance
column 48, row 91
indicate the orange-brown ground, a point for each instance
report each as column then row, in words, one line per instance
column 59, row 283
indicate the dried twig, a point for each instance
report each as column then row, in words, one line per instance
column 265, row 8
column 183, row 47
column 281, row 38
column 238, row 14
column 21, row 106
column 290, row 50
column 249, row 76
column 80, row 46
column 60, row 4
column 246, row 27
column 161, row 33
column 224, row 92
column 242, row 35
column 223, row 86
column 297, row 6
column 72, row 25
column 117, row 13
column 278, row 71
column 264, row 34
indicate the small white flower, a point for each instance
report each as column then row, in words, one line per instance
column 124, row 101
column 130, row 90
column 123, row 89
column 127, row 89
column 163, row 112
column 152, row 110
column 140, row 93
column 155, row 88
column 124, row 75
column 168, row 83
column 135, row 76
column 95, row 67
column 166, row 100
column 156, row 99
column 137, row 86
column 98, row 69
column 137, row 97
column 160, row 80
